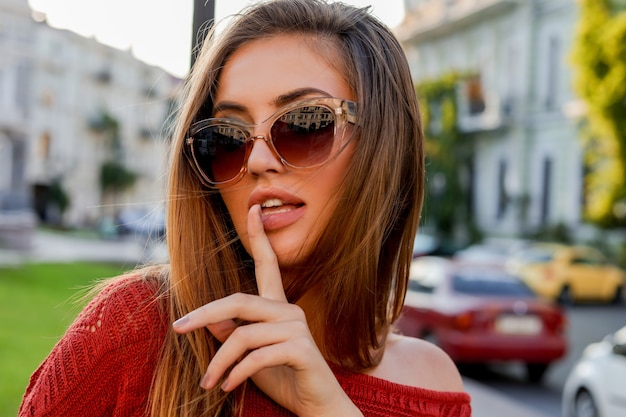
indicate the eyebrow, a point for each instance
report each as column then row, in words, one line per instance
column 283, row 99
column 230, row 106
column 279, row 101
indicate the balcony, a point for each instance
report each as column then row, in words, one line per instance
column 103, row 76
column 480, row 110
column 437, row 18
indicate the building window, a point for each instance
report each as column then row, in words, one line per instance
column 513, row 80
column 475, row 96
column 44, row 145
column 552, row 76
column 6, row 164
column 47, row 99
column 546, row 190
column 22, row 90
column 502, row 194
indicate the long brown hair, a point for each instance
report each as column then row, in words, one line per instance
column 363, row 269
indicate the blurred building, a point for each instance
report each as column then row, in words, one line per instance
column 515, row 103
column 16, row 62
column 83, row 94
column 68, row 105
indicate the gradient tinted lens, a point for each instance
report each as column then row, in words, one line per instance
column 304, row 136
column 220, row 151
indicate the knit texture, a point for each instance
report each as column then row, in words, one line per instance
column 104, row 365
column 375, row 397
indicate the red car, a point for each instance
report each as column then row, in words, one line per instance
column 481, row 314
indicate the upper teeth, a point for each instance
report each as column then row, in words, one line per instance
column 273, row 202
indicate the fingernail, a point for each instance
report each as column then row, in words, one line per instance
column 224, row 385
column 181, row 321
column 204, row 382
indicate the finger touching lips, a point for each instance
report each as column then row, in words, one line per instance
column 269, row 280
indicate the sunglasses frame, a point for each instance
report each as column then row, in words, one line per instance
column 343, row 110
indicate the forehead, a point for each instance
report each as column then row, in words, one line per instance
column 269, row 67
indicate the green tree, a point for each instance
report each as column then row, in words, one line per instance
column 446, row 155
column 114, row 176
column 599, row 58
column 59, row 196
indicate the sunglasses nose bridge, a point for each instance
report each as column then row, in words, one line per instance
column 255, row 137
column 268, row 143
column 261, row 131
column 264, row 127
column 262, row 157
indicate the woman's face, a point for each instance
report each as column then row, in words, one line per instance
column 259, row 78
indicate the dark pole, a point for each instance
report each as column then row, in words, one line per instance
column 203, row 18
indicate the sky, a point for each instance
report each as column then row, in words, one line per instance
column 159, row 31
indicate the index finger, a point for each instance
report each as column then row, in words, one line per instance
column 268, row 278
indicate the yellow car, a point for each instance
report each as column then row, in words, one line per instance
column 569, row 274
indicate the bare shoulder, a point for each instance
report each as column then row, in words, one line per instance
column 416, row 362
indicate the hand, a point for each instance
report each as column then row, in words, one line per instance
column 276, row 349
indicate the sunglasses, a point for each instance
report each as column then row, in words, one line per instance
column 301, row 134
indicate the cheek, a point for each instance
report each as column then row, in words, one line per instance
column 237, row 209
column 326, row 189
column 333, row 178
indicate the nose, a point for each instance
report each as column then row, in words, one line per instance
column 262, row 159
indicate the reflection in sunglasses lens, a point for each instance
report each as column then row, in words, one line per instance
column 220, row 151
column 303, row 137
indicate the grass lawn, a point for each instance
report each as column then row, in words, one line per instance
column 36, row 306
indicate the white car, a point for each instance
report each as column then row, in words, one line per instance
column 596, row 385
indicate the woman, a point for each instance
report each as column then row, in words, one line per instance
column 294, row 196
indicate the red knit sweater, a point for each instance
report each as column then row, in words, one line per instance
column 104, row 364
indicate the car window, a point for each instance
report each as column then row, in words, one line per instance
column 619, row 349
column 588, row 257
column 426, row 276
column 618, row 341
column 421, row 286
column 620, row 336
column 489, row 284
column 535, row 255
column 581, row 260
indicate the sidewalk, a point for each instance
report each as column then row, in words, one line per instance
column 486, row 402
column 57, row 247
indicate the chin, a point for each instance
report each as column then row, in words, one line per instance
column 292, row 256
column 289, row 259
column 290, row 251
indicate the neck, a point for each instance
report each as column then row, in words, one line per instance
column 313, row 306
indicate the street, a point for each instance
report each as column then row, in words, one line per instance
column 587, row 324
column 495, row 391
